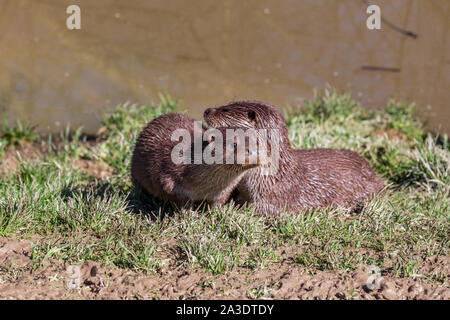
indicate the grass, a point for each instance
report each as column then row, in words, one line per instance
column 16, row 135
column 78, row 216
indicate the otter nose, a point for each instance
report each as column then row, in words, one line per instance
column 207, row 111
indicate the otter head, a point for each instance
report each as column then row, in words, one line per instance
column 245, row 114
column 248, row 114
column 231, row 149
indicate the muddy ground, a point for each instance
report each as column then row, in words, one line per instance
column 283, row 280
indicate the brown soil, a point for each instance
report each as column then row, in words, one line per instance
column 10, row 160
column 283, row 280
column 92, row 168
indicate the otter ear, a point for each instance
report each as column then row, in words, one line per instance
column 252, row 116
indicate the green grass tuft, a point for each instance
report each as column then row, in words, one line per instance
column 16, row 135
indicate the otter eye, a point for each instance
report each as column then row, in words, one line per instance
column 252, row 115
column 225, row 110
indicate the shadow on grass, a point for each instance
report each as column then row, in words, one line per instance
column 138, row 201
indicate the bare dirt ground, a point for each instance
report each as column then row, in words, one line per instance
column 283, row 280
column 10, row 160
column 29, row 151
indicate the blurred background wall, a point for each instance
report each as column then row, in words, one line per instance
column 207, row 53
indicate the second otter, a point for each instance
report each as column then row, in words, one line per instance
column 310, row 178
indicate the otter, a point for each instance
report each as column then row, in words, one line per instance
column 183, row 185
column 306, row 178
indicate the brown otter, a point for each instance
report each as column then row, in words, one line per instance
column 153, row 168
column 309, row 178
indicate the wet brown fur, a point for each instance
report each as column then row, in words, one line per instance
column 184, row 184
column 306, row 178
